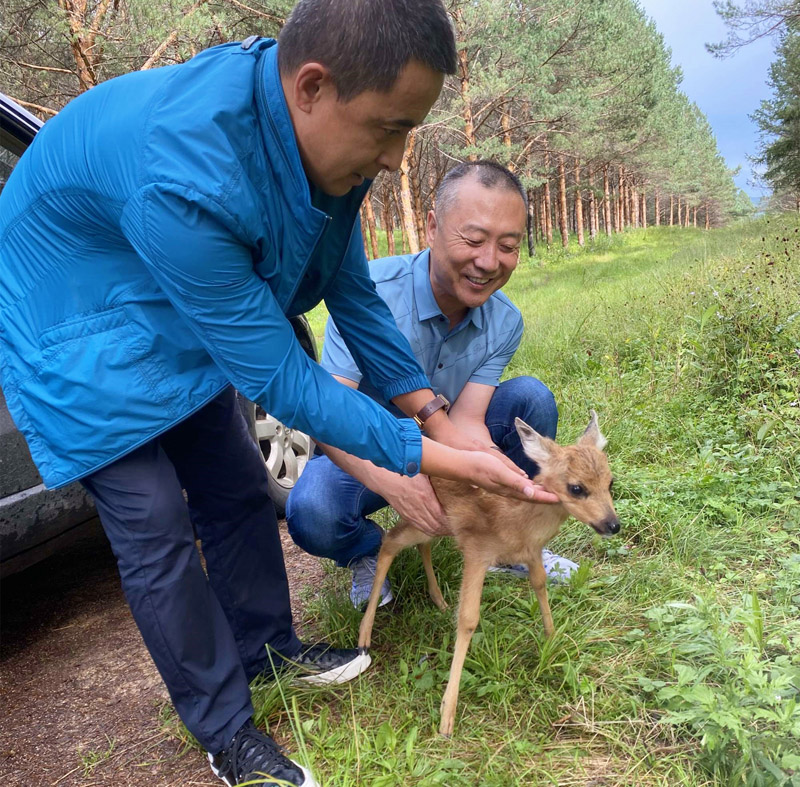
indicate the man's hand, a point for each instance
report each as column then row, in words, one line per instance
column 483, row 469
column 542, row 495
column 415, row 500
column 490, row 472
column 445, row 431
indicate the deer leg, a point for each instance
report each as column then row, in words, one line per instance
column 469, row 610
column 538, row 582
column 395, row 541
column 433, row 585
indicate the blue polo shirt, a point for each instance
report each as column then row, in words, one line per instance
column 477, row 350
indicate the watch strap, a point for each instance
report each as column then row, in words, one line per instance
column 437, row 403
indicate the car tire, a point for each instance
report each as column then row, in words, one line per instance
column 286, row 451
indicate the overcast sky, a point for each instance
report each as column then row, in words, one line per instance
column 727, row 91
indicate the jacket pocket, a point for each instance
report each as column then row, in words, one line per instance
column 97, row 374
column 83, row 327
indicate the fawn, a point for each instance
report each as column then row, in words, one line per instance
column 489, row 529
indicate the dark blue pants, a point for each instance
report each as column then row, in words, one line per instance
column 327, row 510
column 207, row 634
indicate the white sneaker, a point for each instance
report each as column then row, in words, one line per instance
column 557, row 568
column 363, row 575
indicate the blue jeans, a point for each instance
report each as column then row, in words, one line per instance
column 206, row 630
column 327, row 510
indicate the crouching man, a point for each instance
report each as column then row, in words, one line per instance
column 463, row 330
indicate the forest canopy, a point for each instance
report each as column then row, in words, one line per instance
column 579, row 99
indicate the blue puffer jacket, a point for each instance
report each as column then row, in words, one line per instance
column 152, row 241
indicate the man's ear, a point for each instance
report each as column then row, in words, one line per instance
column 431, row 227
column 593, row 435
column 535, row 446
column 310, row 84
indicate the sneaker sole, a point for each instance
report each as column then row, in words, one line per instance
column 352, row 669
column 362, row 605
column 308, row 780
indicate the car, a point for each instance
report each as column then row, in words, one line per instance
column 36, row 522
column 286, row 451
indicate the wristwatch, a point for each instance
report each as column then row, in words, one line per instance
column 437, row 403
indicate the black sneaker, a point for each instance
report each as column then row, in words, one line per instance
column 255, row 757
column 323, row 665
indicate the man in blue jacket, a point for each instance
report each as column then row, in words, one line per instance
column 153, row 240
column 448, row 302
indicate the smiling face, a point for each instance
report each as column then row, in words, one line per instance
column 343, row 142
column 474, row 245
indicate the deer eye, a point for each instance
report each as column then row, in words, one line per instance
column 577, row 490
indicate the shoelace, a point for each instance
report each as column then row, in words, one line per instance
column 252, row 752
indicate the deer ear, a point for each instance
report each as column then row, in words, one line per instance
column 593, row 435
column 533, row 444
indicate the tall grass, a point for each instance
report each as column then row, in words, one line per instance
column 676, row 659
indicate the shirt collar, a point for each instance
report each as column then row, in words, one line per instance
column 427, row 308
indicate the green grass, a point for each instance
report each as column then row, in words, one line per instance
column 676, row 659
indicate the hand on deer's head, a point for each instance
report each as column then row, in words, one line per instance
column 578, row 474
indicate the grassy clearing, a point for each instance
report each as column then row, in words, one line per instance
column 676, row 659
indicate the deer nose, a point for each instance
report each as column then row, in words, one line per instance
column 611, row 525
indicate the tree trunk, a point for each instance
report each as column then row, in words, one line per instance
column 678, row 210
column 578, row 204
column 543, row 217
column 398, row 205
column 708, row 223
column 387, row 217
column 695, row 216
column 416, row 193
column 623, row 201
column 606, row 201
column 463, row 77
column 531, row 223
column 562, row 202
column 548, row 210
column 643, row 211
column 671, row 210
column 369, row 214
column 407, row 200
column 364, row 231
column 85, row 23
column 431, row 192
column 593, row 217
column 505, row 124
column 657, row 209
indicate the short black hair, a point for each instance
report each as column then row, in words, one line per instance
column 367, row 43
column 489, row 174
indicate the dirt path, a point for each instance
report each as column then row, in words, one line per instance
column 80, row 699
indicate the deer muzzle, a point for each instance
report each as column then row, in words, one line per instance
column 608, row 527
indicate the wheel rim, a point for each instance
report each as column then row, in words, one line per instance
column 286, row 451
